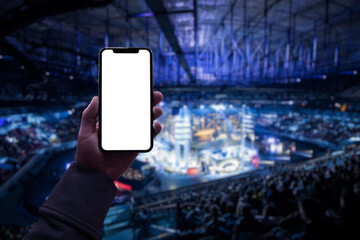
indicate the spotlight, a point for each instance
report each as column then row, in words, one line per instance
column 355, row 72
column 71, row 77
column 298, row 79
column 218, row 107
column 324, row 76
column 273, row 148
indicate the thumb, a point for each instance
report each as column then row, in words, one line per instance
column 89, row 115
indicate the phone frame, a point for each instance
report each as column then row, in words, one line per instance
column 127, row 50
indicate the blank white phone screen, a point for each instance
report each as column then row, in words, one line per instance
column 125, row 101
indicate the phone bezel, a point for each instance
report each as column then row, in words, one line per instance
column 127, row 50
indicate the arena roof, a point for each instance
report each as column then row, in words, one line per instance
column 195, row 42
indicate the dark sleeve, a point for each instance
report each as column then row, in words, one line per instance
column 77, row 206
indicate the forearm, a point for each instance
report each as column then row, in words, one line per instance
column 77, row 206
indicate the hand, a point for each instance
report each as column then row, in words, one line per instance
column 113, row 164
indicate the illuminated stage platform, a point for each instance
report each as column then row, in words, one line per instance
column 199, row 144
column 211, row 140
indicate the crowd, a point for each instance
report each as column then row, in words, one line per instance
column 22, row 143
column 312, row 200
column 330, row 128
column 308, row 201
column 13, row 232
column 318, row 200
column 67, row 129
column 19, row 145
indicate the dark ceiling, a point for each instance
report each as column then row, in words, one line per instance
column 195, row 42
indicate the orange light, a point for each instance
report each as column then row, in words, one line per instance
column 193, row 171
column 343, row 108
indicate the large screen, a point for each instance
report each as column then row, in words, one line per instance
column 125, row 99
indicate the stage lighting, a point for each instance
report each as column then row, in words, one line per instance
column 273, row 148
column 355, row 139
column 218, row 107
column 271, row 140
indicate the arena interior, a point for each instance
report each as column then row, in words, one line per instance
column 261, row 114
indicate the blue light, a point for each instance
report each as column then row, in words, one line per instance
column 143, row 14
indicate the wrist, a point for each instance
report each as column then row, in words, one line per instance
column 95, row 168
column 111, row 174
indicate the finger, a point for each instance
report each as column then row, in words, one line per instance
column 157, row 97
column 157, row 128
column 157, row 112
column 89, row 115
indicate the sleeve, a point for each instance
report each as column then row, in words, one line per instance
column 77, row 206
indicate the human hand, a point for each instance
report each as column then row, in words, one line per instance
column 113, row 164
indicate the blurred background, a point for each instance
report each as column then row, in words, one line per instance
column 261, row 123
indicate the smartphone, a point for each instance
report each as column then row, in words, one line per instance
column 126, row 99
